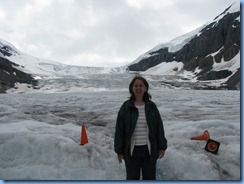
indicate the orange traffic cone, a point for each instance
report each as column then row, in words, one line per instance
column 83, row 136
column 204, row 137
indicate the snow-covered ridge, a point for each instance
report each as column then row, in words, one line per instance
column 6, row 43
column 8, row 47
column 46, row 68
column 178, row 43
column 235, row 7
column 173, row 45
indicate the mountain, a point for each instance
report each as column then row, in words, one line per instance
column 209, row 53
column 42, row 68
column 19, row 68
column 206, row 58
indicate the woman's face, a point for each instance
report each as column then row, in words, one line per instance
column 138, row 89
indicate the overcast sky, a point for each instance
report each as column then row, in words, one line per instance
column 100, row 32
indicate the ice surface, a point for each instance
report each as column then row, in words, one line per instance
column 40, row 134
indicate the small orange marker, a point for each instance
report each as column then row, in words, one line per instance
column 204, row 137
column 83, row 136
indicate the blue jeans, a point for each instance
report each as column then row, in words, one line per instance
column 140, row 162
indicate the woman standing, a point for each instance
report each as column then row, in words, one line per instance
column 139, row 134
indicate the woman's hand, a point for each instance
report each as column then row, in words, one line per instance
column 120, row 158
column 161, row 153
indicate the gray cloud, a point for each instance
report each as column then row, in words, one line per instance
column 100, row 33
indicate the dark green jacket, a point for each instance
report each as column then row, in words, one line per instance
column 126, row 123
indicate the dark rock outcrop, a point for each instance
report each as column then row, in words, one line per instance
column 9, row 75
column 7, row 50
column 233, row 82
column 10, row 72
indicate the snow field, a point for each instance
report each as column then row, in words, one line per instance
column 40, row 135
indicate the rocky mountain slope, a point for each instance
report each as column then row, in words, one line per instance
column 199, row 51
column 10, row 72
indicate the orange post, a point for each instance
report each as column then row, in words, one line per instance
column 83, row 136
column 204, row 137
